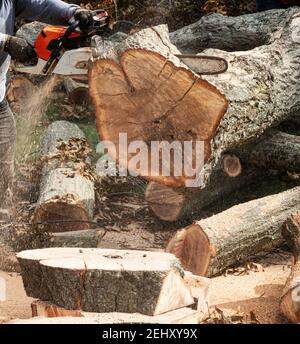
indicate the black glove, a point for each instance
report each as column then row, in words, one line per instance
column 85, row 18
column 19, row 49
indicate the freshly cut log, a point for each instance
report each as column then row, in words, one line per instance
column 212, row 245
column 290, row 300
column 171, row 204
column 142, row 89
column 163, row 103
column 78, row 92
column 95, row 280
column 67, row 196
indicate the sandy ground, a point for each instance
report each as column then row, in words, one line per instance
column 257, row 292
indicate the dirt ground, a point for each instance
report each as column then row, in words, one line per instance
column 253, row 295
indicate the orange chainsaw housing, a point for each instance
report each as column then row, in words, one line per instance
column 46, row 36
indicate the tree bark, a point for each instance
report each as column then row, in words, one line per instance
column 200, row 289
column 231, row 33
column 30, row 31
column 78, row 92
column 67, row 196
column 89, row 238
column 211, row 245
column 172, row 204
column 261, row 86
column 106, row 280
column 275, row 150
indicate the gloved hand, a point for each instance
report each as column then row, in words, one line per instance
column 19, row 49
column 85, row 18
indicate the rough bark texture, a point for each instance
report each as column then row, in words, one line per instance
column 210, row 246
column 89, row 238
column 255, row 103
column 66, row 194
column 106, row 280
column 30, row 31
column 172, row 204
column 276, row 150
column 200, row 289
column 78, row 92
column 230, row 33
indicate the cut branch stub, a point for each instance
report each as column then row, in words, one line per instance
column 150, row 99
column 232, row 165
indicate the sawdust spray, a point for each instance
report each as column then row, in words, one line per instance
column 30, row 118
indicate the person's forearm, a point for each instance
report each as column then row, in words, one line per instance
column 54, row 12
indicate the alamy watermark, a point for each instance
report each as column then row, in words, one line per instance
column 156, row 158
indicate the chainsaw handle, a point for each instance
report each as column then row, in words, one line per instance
column 71, row 28
column 75, row 24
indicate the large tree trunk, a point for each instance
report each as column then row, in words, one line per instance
column 231, row 33
column 100, row 281
column 67, row 193
column 150, row 94
column 211, row 245
column 261, row 86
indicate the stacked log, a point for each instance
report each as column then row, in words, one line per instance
column 67, row 196
column 164, row 100
column 210, row 246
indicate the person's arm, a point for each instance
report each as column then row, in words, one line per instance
column 55, row 12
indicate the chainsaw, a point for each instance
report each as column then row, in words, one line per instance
column 68, row 51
